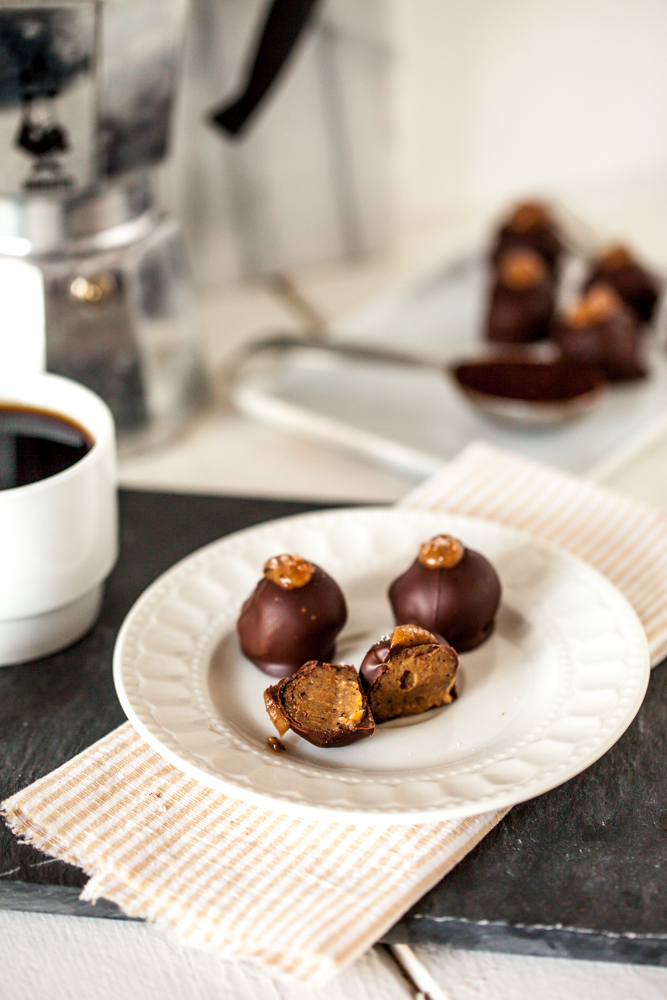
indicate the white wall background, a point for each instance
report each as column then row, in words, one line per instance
column 495, row 97
column 309, row 181
column 400, row 113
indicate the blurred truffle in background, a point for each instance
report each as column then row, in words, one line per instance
column 638, row 288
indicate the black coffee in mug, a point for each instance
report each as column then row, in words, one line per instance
column 36, row 444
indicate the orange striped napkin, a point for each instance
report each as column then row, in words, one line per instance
column 305, row 897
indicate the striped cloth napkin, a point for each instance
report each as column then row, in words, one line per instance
column 302, row 897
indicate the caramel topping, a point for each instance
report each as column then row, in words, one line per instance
column 616, row 257
column 273, row 743
column 598, row 304
column 289, row 571
column 411, row 635
column 441, row 552
column 521, row 269
column 529, row 215
column 276, row 714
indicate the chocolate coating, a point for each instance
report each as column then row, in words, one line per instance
column 279, row 629
column 374, row 660
column 458, row 602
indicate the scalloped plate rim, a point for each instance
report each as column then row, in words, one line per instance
column 160, row 739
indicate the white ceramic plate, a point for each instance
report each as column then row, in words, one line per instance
column 556, row 685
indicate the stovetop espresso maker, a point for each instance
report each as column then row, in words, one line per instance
column 94, row 283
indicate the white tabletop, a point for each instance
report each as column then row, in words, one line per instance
column 62, row 958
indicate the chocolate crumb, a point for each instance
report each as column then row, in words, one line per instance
column 273, row 743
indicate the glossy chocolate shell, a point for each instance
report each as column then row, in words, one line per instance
column 459, row 602
column 279, row 630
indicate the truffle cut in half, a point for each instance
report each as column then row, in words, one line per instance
column 322, row 702
column 376, row 657
column 448, row 589
column 419, row 673
column 293, row 615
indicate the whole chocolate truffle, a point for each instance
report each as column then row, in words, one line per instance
column 322, row 702
column 602, row 332
column 530, row 226
column 634, row 284
column 521, row 304
column 293, row 615
column 448, row 589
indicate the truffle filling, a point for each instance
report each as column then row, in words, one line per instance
column 325, row 699
column 418, row 678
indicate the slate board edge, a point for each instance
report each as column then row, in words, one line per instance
column 539, row 940
column 467, row 935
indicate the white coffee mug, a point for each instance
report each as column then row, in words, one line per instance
column 59, row 535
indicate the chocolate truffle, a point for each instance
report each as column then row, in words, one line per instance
column 638, row 289
column 293, row 615
column 602, row 332
column 418, row 673
column 322, row 702
column 376, row 657
column 530, row 226
column 448, row 589
column 521, row 303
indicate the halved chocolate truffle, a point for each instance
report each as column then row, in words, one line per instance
column 293, row 615
column 418, row 673
column 531, row 226
column 638, row 289
column 322, row 702
column 376, row 657
column 601, row 331
column 521, row 304
column 448, row 589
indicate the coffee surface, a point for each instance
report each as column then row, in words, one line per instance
column 36, row 444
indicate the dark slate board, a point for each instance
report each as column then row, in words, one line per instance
column 578, row 872
column 52, row 709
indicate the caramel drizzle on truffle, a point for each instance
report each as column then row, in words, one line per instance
column 410, row 635
column 289, row 571
column 441, row 552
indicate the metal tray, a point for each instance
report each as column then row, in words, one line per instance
column 378, row 386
